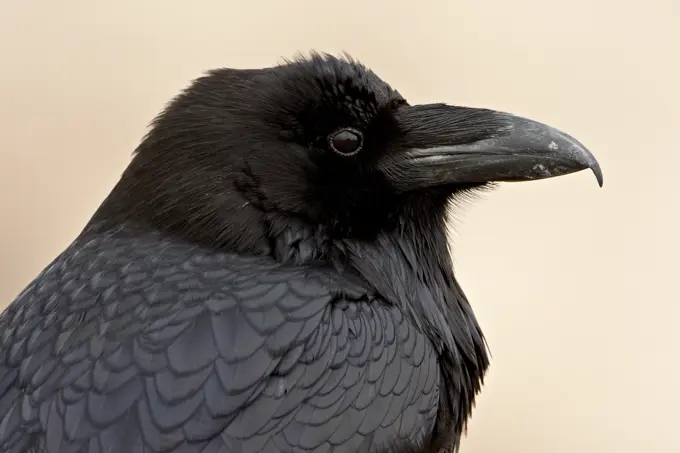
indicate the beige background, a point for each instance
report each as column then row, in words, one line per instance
column 576, row 287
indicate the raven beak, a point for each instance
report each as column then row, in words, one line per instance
column 446, row 145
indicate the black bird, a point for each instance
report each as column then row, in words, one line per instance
column 270, row 274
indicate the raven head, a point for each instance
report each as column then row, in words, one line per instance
column 325, row 142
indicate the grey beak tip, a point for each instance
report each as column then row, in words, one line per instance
column 597, row 171
column 591, row 162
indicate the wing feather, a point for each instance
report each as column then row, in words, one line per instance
column 120, row 347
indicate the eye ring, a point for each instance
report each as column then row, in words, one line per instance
column 346, row 141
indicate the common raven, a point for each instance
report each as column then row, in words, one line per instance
column 270, row 274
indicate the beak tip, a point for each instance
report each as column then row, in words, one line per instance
column 597, row 171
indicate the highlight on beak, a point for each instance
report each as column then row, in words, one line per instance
column 506, row 148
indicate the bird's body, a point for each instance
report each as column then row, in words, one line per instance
column 135, row 341
column 132, row 339
column 252, row 295
column 129, row 340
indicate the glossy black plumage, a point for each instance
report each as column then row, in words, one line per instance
column 129, row 341
column 249, row 287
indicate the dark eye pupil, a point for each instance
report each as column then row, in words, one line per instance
column 346, row 141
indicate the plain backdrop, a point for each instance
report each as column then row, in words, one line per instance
column 576, row 287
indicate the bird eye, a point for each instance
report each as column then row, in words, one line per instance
column 346, row 141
